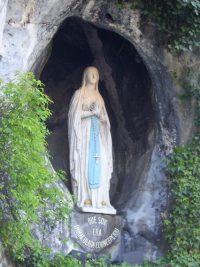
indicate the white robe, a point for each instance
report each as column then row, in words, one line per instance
column 79, row 136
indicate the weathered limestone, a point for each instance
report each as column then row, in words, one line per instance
column 26, row 32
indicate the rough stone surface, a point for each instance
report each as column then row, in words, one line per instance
column 139, row 184
column 57, row 237
column 5, row 261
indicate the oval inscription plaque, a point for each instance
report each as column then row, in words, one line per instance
column 95, row 232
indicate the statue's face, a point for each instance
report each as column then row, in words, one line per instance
column 92, row 76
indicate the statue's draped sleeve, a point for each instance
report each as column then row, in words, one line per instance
column 74, row 135
column 106, row 129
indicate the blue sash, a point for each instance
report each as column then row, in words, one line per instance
column 94, row 161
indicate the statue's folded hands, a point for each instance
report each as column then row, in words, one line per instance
column 86, row 114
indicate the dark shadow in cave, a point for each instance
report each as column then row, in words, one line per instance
column 126, row 88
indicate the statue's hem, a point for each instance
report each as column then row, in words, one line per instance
column 111, row 210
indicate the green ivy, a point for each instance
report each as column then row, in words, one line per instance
column 42, row 259
column 183, row 223
column 177, row 20
column 26, row 181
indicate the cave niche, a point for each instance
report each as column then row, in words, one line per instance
column 126, row 87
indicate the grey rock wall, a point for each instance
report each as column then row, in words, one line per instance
column 26, row 32
column 5, row 261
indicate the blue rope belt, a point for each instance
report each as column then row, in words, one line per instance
column 94, row 162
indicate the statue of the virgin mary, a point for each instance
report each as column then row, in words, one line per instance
column 90, row 144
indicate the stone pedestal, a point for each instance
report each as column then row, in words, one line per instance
column 96, row 233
